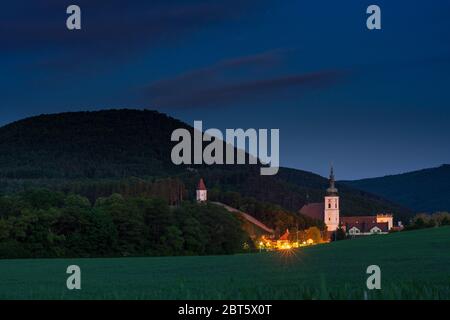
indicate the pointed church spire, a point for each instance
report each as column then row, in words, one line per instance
column 332, row 177
column 332, row 189
column 201, row 185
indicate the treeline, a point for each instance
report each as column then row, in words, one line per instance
column 174, row 191
column 171, row 190
column 312, row 233
column 422, row 221
column 291, row 189
column 42, row 223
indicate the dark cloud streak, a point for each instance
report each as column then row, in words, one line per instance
column 223, row 84
column 215, row 74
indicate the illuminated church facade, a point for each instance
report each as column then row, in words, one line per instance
column 329, row 212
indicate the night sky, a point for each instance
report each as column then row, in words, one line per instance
column 371, row 102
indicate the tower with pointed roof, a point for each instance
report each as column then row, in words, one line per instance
column 202, row 193
column 331, row 213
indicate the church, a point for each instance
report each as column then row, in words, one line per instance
column 328, row 212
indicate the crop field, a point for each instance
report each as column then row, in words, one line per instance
column 414, row 265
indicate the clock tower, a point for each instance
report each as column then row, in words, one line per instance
column 331, row 213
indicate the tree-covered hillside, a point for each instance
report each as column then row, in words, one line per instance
column 98, row 150
column 105, row 144
column 425, row 190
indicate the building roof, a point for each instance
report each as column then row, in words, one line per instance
column 256, row 222
column 314, row 210
column 384, row 226
column 285, row 236
column 365, row 225
column 201, row 185
column 358, row 219
column 247, row 217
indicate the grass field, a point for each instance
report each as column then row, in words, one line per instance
column 414, row 265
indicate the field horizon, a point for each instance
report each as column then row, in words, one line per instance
column 414, row 265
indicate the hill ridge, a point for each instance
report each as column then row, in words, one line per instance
column 421, row 190
column 121, row 143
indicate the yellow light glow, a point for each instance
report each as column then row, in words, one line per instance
column 284, row 246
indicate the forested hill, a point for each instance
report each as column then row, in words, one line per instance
column 113, row 145
column 423, row 190
column 104, row 144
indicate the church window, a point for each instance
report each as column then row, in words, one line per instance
column 329, row 205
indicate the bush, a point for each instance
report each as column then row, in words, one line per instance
column 422, row 221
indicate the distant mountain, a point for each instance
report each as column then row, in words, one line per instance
column 425, row 190
column 51, row 150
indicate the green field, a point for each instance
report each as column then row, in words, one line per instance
column 414, row 265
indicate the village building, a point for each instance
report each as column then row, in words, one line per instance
column 202, row 193
column 328, row 211
column 284, row 242
column 365, row 225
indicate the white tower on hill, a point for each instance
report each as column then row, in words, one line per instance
column 331, row 214
column 202, row 193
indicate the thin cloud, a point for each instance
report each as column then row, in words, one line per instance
column 214, row 75
column 257, row 90
column 242, row 79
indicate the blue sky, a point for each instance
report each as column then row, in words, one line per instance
column 370, row 102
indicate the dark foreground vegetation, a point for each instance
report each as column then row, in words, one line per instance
column 41, row 223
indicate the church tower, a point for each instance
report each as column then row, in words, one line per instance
column 331, row 214
column 202, row 193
